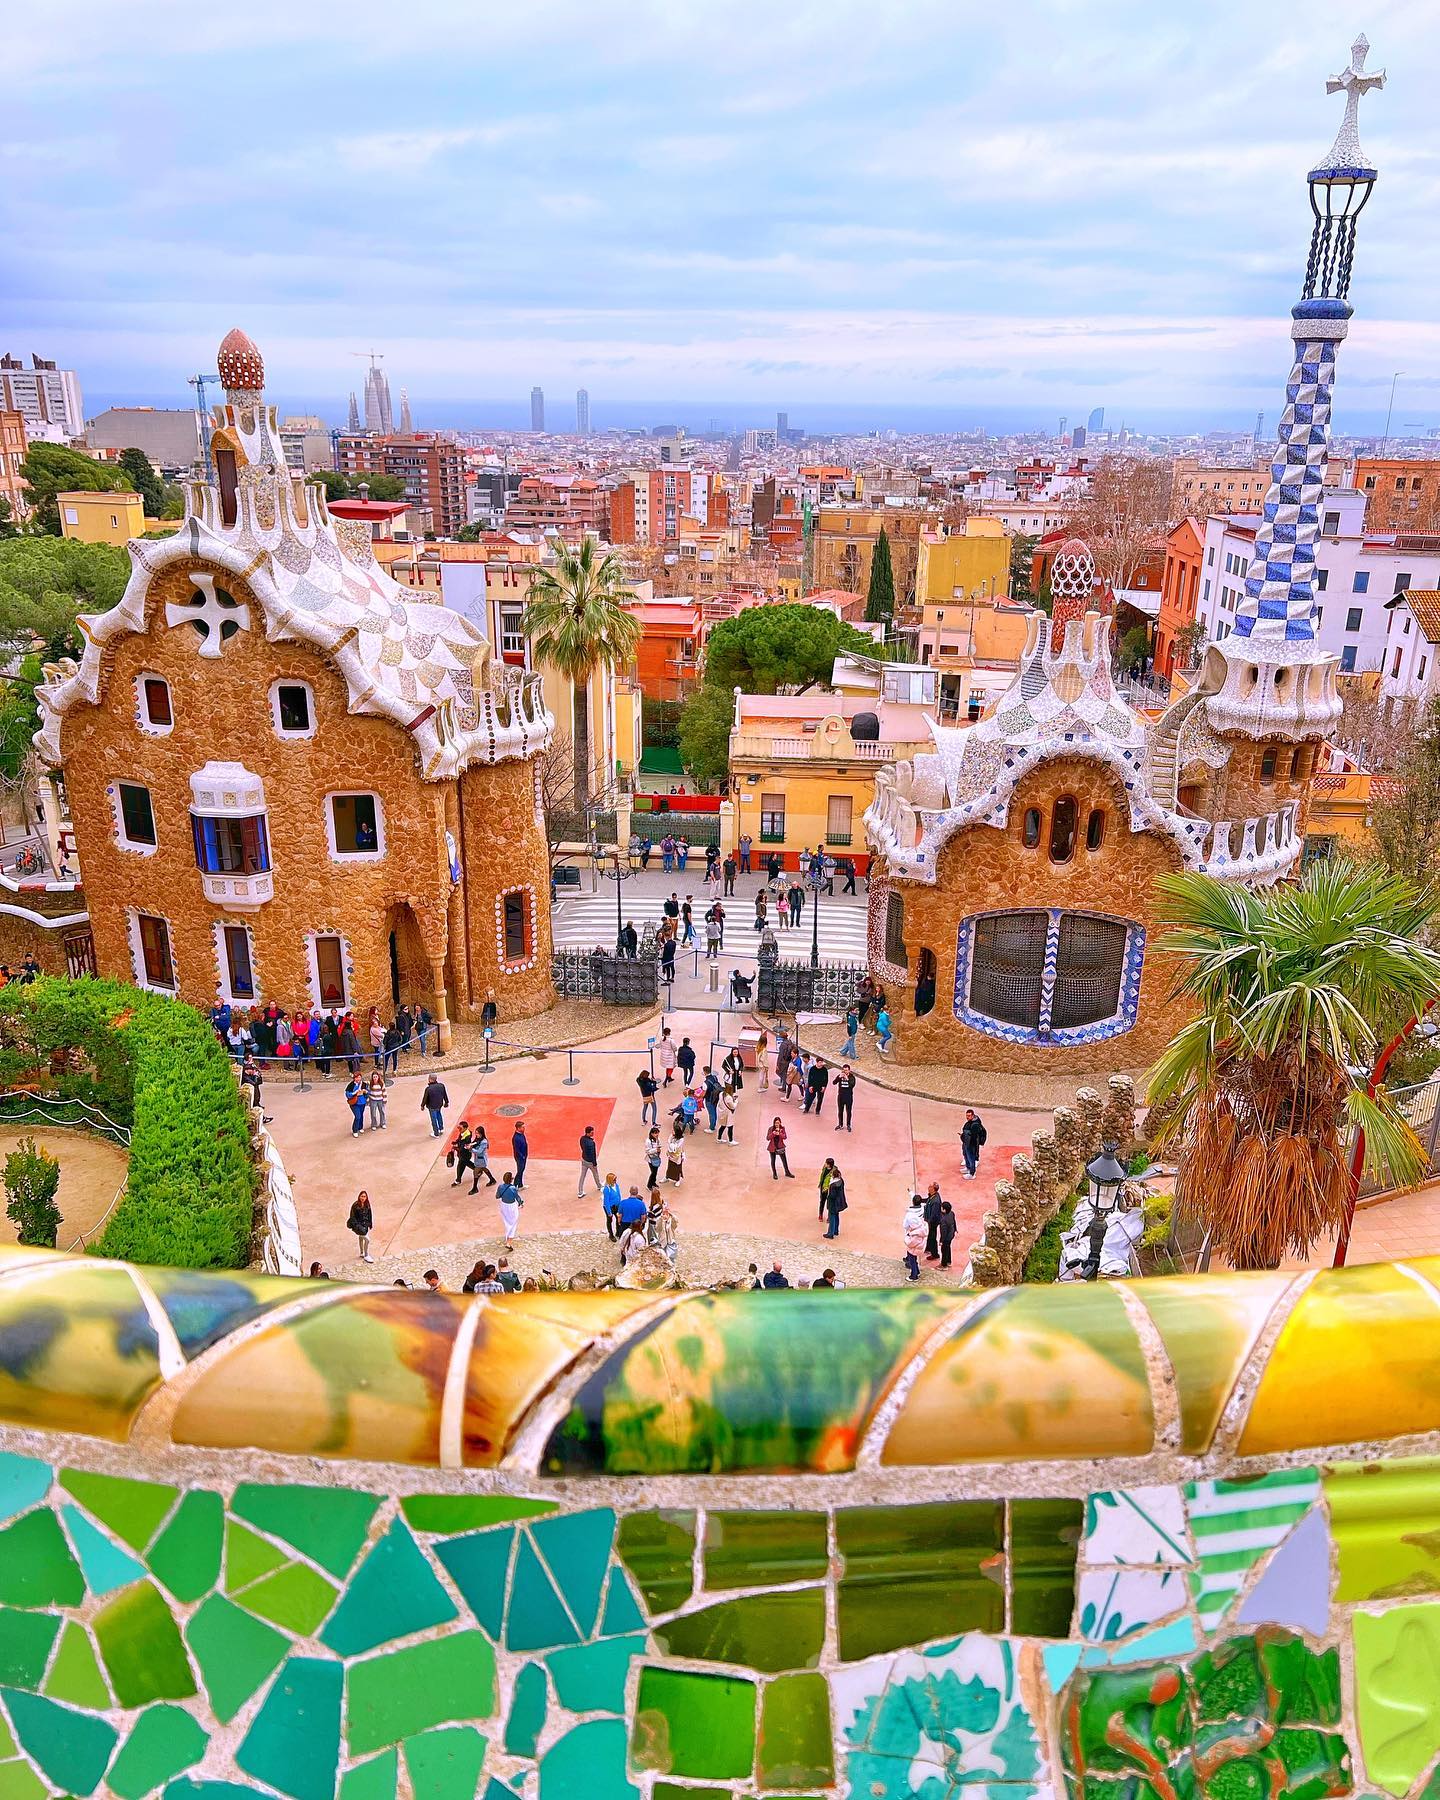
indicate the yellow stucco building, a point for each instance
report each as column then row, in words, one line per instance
column 970, row 561
column 92, row 518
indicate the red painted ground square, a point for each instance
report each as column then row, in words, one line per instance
column 553, row 1122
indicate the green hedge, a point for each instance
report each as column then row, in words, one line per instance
column 1043, row 1262
column 155, row 1065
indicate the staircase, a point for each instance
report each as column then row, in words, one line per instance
column 1165, row 750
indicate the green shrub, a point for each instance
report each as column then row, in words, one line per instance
column 155, row 1064
column 31, row 1181
column 1157, row 1210
column 1043, row 1262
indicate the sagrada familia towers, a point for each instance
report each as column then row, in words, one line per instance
column 1014, row 874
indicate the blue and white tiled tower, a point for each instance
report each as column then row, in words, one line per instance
column 1277, row 681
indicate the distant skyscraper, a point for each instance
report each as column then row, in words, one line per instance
column 354, row 420
column 407, row 424
column 782, row 425
column 537, row 409
column 582, row 412
column 1096, row 421
column 1077, row 438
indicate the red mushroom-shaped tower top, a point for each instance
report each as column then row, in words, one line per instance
column 241, row 366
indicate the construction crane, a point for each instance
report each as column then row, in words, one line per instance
column 198, row 382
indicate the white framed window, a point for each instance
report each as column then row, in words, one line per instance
column 516, row 928
column 329, row 960
column 155, row 706
column 151, row 954
column 235, row 959
column 355, row 825
column 134, row 817
column 292, row 709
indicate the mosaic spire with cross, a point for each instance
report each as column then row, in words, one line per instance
column 1276, row 614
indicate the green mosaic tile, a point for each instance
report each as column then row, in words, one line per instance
column 1044, row 1542
column 36, row 1567
column 479, row 1566
column 658, row 1548
column 165, row 1741
column 1397, row 1680
column 295, row 1597
column 394, row 1592
column 669, row 1790
column 373, row 1780
column 497, row 1790
column 326, row 1524
column 140, row 1644
column 1385, row 1517
column 405, row 1692
column 248, row 1557
column 795, row 1747
column 8, row 1746
column 767, row 1632
column 186, row 1555
column 764, row 1549
column 445, row 1765
column 132, row 1509
column 916, row 1573
column 528, row 1706
column 186, row 1789
column 70, row 1748
column 24, row 1482
column 75, row 1675
column 589, row 1760
column 591, row 1677
column 25, row 1642
column 294, row 1742
column 235, row 1652
column 536, row 1619
column 18, row 1781
column 576, row 1550
column 104, row 1564
column 622, row 1609
column 445, row 1513
column 689, row 1724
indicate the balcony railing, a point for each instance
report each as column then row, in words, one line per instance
column 842, row 838
column 784, row 749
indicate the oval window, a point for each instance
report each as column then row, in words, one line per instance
column 1030, row 830
column 1095, row 828
column 1064, row 822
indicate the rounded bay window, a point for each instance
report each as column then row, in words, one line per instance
column 1044, row 975
column 231, row 829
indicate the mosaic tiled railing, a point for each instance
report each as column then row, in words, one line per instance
column 1147, row 1541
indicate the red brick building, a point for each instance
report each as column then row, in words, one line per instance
column 431, row 467
column 1179, row 594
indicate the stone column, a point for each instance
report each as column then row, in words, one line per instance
column 442, row 1015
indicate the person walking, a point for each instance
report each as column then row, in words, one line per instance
column 835, row 1203
column 827, row 1174
column 784, row 1054
column 782, row 908
column 589, row 1160
column 712, row 1099
column 852, row 1026
column 520, row 1150
column 509, row 1199
column 762, row 1060
column 434, row 1101
column 712, row 936
column 687, row 922
column 362, row 1223
column 461, row 1154
column 729, row 1106
column 675, row 1158
column 882, row 1028
column 480, row 1158
column 846, row 866
column 948, row 1226
column 816, row 1083
column 667, row 1055
column 375, row 1097
column 972, row 1136
column 760, row 920
column 654, row 1155
column 392, row 1049
column 913, row 1233
column 685, row 1057
column 671, row 908
column 772, row 867
column 775, row 1139
column 610, row 1200
column 357, row 1095
column 629, row 941
column 649, row 1087
column 729, row 869
column 932, row 1206
column 844, row 1097
column 712, row 882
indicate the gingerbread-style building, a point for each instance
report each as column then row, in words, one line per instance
column 290, row 780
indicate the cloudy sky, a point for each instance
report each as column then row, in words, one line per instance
column 1046, row 203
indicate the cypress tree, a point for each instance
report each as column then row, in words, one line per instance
column 880, row 601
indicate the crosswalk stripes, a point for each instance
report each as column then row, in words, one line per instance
column 588, row 920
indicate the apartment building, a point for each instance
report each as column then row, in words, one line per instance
column 47, row 398
column 14, row 442
column 431, row 467
column 648, row 506
column 1401, row 494
column 567, row 505
column 1202, row 488
column 1179, row 595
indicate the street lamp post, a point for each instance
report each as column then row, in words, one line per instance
column 1106, row 1174
column 822, row 870
column 620, row 873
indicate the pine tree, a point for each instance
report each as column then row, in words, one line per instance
column 880, row 601
column 140, row 472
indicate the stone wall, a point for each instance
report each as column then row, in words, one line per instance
column 18, row 937
column 222, row 712
column 1239, row 791
column 982, row 869
column 293, row 1539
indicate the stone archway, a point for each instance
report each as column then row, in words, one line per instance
column 411, row 974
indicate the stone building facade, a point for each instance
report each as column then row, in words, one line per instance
column 288, row 779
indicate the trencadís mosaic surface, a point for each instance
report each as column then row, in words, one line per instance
column 1153, row 1541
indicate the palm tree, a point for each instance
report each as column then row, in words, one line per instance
column 1293, row 987
column 577, row 621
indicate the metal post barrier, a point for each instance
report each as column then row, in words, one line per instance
column 572, row 1079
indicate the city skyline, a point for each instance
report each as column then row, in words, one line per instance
column 944, row 220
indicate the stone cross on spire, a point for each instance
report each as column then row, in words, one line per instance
column 1345, row 152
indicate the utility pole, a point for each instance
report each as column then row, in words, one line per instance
column 1390, row 409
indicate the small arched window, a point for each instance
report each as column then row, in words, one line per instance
column 1095, row 828
column 1064, row 822
column 1267, row 766
column 925, row 975
column 227, row 478
column 895, row 952
column 1030, row 829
